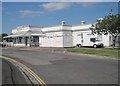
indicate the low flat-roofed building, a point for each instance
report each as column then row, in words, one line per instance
column 56, row 36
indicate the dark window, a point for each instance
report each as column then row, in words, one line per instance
column 35, row 39
column 92, row 39
column 105, row 33
column 82, row 35
column 20, row 40
column 14, row 40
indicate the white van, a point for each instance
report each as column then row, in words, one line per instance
column 87, row 39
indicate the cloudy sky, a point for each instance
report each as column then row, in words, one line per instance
column 51, row 13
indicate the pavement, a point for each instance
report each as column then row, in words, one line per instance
column 64, row 68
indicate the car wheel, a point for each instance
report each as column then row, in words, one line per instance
column 79, row 45
column 95, row 46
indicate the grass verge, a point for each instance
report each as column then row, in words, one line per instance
column 98, row 51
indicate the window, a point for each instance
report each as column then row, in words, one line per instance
column 35, row 39
column 82, row 35
column 14, row 40
column 98, row 39
column 20, row 40
column 105, row 33
column 92, row 39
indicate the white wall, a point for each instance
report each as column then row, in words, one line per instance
column 81, row 27
column 19, row 45
column 66, row 27
column 58, row 39
column 67, row 39
column 107, row 40
column 76, row 38
column 52, row 39
column 86, row 38
column 35, row 28
column 62, row 36
column 77, row 31
column 51, row 29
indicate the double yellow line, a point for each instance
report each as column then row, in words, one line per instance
column 24, row 67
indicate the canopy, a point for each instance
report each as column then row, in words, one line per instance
column 26, row 33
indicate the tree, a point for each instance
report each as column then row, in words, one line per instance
column 110, row 24
column 3, row 35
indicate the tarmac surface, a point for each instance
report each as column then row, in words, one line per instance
column 11, row 75
column 64, row 68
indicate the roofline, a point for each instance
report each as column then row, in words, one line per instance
column 36, row 26
column 81, row 25
column 56, row 25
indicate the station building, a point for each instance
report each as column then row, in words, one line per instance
column 62, row 35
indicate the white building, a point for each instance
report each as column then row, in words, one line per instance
column 56, row 36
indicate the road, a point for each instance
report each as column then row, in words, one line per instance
column 11, row 75
column 63, row 68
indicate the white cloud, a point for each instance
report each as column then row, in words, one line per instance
column 87, row 4
column 30, row 12
column 53, row 6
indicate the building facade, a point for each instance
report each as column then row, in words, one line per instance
column 56, row 36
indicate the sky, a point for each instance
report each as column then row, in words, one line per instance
column 52, row 13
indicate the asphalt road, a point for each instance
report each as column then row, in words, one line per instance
column 11, row 75
column 63, row 68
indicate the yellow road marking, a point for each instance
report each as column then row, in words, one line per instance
column 22, row 66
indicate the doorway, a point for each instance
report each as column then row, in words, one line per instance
column 26, row 41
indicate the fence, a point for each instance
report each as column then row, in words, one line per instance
column 6, row 44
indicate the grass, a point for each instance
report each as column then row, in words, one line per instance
column 98, row 51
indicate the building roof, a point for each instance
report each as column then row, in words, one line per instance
column 26, row 33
